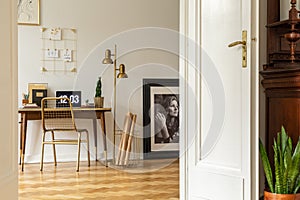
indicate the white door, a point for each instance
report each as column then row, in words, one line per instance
column 217, row 106
column 8, row 100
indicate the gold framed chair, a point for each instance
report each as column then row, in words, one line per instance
column 57, row 116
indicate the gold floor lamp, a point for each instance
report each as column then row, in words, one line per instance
column 121, row 74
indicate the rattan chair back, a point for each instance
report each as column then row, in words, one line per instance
column 57, row 114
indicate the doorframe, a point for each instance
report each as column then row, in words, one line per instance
column 9, row 116
column 255, row 24
column 183, row 169
column 184, row 18
column 184, row 23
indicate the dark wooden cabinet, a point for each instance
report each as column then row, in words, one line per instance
column 282, row 90
column 281, row 77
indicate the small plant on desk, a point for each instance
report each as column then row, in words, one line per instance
column 98, row 100
column 25, row 99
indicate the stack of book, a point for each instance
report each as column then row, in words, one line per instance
column 30, row 105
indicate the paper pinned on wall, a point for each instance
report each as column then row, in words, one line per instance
column 55, row 34
column 67, row 55
column 52, row 53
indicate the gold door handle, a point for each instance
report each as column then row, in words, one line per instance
column 237, row 43
column 244, row 47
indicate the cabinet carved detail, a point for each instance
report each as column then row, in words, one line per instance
column 282, row 36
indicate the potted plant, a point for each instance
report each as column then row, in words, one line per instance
column 98, row 99
column 286, row 169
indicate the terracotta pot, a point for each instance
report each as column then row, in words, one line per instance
column 25, row 101
column 99, row 102
column 273, row 196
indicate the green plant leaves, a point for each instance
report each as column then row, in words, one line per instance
column 297, row 185
column 266, row 165
column 278, row 168
column 295, row 169
column 286, row 164
column 98, row 88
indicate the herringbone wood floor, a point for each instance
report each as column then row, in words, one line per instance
column 155, row 179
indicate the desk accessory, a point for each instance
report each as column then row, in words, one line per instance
column 98, row 99
column 25, row 99
column 35, row 86
column 30, row 105
column 74, row 96
column 38, row 95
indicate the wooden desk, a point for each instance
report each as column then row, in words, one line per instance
column 82, row 113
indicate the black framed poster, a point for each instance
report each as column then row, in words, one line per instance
column 160, row 118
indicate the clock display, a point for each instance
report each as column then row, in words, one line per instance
column 74, row 96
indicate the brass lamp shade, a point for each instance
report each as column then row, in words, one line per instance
column 122, row 73
column 107, row 59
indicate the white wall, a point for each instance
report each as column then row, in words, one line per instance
column 100, row 24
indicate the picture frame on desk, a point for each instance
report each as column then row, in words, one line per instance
column 38, row 95
column 35, row 86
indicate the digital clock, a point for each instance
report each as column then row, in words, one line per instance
column 74, row 96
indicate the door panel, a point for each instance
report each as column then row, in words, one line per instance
column 232, row 185
column 221, row 24
column 216, row 88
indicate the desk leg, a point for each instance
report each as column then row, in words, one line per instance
column 102, row 122
column 95, row 137
column 23, row 138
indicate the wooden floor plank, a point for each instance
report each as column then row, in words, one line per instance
column 147, row 180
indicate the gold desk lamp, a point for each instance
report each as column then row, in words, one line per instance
column 121, row 74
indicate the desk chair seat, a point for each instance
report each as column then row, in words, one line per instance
column 60, row 119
